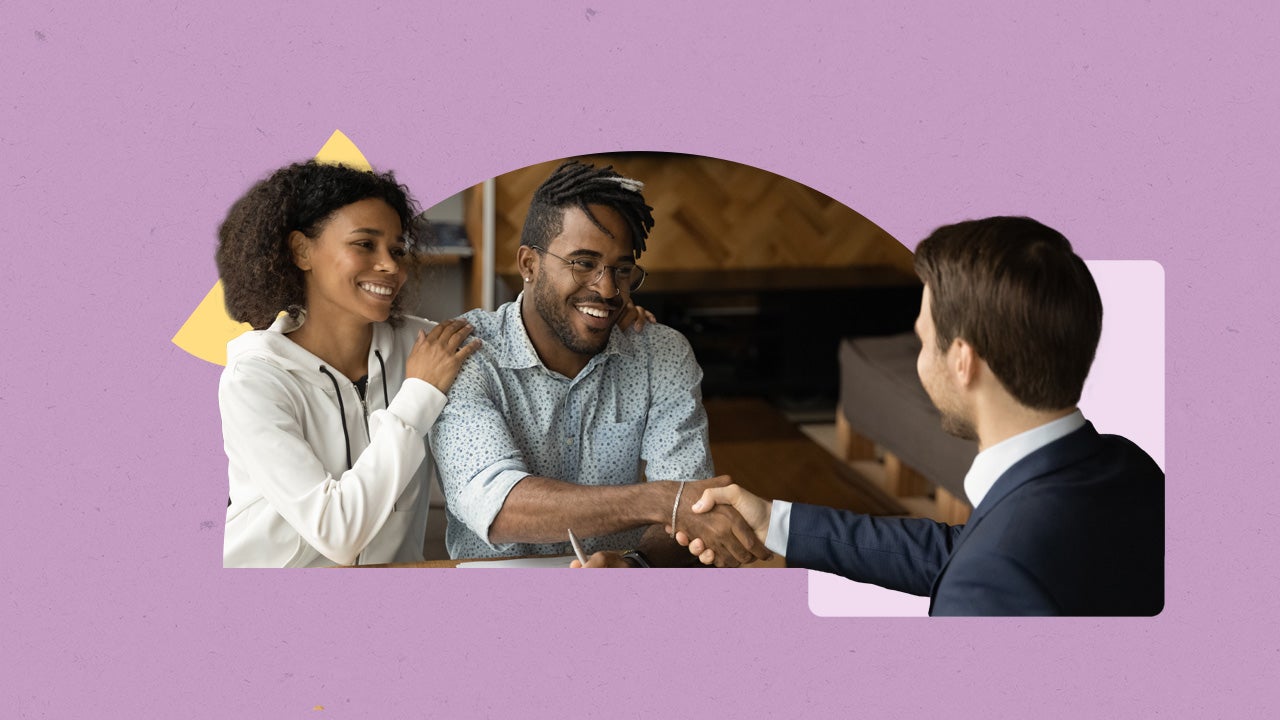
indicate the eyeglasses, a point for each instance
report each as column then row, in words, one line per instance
column 588, row 272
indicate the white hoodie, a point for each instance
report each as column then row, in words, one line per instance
column 296, row 498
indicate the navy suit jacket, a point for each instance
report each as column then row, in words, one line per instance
column 1074, row 528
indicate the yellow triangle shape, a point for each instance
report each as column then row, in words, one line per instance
column 339, row 150
column 207, row 331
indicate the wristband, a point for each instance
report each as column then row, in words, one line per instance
column 676, row 506
column 636, row 559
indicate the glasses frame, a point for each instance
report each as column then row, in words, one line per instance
column 575, row 269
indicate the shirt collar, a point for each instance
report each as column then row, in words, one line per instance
column 991, row 463
column 518, row 350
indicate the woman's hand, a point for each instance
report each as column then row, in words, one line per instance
column 635, row 317
column 437, row 356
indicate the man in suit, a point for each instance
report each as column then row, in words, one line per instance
column 1066, row 521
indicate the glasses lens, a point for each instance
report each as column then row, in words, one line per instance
column 589, row 272
column 586, row 272
column 636, row 277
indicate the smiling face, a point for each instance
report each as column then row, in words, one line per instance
column 933, row 369
column 572, row 323
column 354, row 267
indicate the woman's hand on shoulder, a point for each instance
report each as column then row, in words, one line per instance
column 635, row 317
column 437, row 356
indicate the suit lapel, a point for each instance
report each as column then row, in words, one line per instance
column 1063, row 452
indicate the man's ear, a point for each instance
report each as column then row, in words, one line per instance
column 526, row 262
column 962, row 361
column 300, row 246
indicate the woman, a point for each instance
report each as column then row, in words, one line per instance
column 326, row 404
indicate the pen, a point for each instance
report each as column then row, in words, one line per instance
column 577, row 549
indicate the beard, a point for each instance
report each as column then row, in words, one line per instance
column 956, row 424
column 555, row 314
column 954, row 420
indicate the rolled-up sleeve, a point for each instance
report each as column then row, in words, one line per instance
column 477, row 457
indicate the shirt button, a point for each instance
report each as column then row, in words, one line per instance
column 568, row 441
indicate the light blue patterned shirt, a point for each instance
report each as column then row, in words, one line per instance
column 634, row 412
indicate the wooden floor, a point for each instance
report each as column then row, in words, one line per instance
column 766, row 454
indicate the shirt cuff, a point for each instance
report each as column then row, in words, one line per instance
column 779, row 527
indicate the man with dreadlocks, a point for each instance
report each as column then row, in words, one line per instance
column 559, row 419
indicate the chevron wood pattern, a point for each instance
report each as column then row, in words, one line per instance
column 712, row 214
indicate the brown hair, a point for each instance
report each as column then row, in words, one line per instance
column 1015, row 291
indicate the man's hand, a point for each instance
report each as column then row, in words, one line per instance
column 605, row 559
column 753, row 510
column 724, row 535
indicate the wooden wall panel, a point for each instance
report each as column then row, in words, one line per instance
column 712, row 214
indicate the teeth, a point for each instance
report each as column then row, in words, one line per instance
column 593, row 312
column 376, row 289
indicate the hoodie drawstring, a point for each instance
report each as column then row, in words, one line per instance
column 342, row 412
column 386, row 397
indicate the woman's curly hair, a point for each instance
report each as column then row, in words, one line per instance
column 255, row 262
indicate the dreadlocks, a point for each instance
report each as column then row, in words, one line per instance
column 576, row 184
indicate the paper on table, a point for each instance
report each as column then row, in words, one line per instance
column 533, row 562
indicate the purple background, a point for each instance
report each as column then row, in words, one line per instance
column 1142, row 131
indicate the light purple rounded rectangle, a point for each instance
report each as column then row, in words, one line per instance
column 1124, row 395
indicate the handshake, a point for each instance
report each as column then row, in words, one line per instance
column 720, row 523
